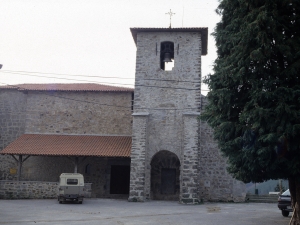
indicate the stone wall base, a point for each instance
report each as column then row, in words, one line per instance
column 136, row 199
column 189, row 201
column 33, row 189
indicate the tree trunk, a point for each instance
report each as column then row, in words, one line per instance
column 294, row 186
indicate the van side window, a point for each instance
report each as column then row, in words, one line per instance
column 72, row 181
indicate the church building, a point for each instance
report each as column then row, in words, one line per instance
column 143, row 143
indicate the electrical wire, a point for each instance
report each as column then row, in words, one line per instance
column 76, row 75
column 177, row 88
column 52, row 95
column 65, row 78
column 136, row 85
column 97, row 103
column 62, row 74
column 27, row 73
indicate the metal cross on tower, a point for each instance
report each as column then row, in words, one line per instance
column 171, row 14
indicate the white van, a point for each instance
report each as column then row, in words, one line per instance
column 71, row 187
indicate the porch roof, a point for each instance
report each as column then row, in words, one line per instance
column 70, row 145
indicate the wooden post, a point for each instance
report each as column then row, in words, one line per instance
column 20, row 167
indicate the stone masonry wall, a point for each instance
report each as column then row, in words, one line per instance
column 167, row 95
column 48, row 169
column 216, row 184
column 33, row 189
column 138, row 160
column 189, row 169
column 79, row 113
column 100, row 175
column 94, row 113
column 12, row 124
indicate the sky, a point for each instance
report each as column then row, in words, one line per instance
column 88, row 41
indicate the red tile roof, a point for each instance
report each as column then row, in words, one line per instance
column 70, row 145
column 202, row 30
column 67, row 87
column 7, row 87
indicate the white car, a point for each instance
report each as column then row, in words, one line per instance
column 284, row 203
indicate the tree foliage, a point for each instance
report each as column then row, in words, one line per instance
column 254, row 98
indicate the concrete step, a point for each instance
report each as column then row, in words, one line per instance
column 262, row 198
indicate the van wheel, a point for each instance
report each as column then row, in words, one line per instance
column 285, row 213
column 80, row 202
column 60, row 202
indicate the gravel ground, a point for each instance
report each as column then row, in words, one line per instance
column 119, row 212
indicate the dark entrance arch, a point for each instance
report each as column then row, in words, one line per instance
column 165, row 170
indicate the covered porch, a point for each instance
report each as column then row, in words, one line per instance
column 101, row 159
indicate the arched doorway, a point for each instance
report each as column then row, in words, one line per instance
column 165, row 171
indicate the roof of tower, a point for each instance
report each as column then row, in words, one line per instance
column 202, row 30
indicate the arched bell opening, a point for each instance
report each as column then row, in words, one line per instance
column 167, row 55
column 165, row 172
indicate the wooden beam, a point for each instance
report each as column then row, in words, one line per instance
column 26, row 158
column 14, row 158
column 20, row 167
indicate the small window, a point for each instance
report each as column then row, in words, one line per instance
column 72, row 181
column 167, row 55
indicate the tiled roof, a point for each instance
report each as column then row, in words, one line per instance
column 67, row 87
column 7, row 87
column 202, row 30
column 70, row 145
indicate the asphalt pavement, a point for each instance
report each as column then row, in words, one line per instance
column 122, row 212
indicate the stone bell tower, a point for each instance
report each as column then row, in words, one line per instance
column 165, row 141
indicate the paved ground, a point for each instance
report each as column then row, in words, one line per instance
column 121, row 212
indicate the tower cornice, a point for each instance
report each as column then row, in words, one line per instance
column 202, row 30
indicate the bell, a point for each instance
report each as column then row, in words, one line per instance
column 167, row 57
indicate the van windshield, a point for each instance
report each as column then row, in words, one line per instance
column 72, row 181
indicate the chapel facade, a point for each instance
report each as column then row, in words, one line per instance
column 172, row 153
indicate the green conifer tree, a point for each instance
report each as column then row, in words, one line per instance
column 254, row 98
